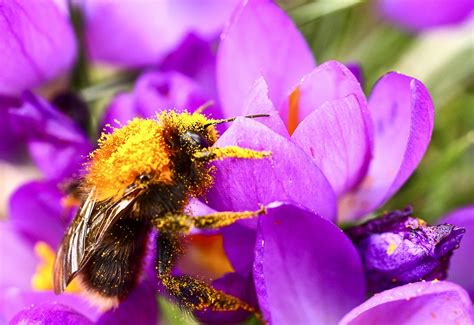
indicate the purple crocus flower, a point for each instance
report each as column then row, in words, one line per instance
column 398, row 248
column 36, row 44
column 419, row 15
column 137, row 35
column 366, row 149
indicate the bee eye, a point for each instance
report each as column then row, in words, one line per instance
column 195, row 139
column 144, row 178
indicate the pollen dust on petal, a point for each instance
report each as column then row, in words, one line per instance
column 293, row 110
column 391, row 248
column 42, row 280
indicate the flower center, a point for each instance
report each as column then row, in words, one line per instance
column 42, row 280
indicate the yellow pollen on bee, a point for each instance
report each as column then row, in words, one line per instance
column 42, row 280
column 391, row 248
column 185, row 121
column 126, row 153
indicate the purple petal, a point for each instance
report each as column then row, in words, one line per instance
column 239, row 245
column 336, row 136
column 11, row 145
column 257, row 102
column 402, row 113
column 57, row 145
column 356, row 70
column 289, row 174
column 36, row 212
column 460, row 267
column 37, row 44
column 423, row 14
column 260, row 41
column 51, row 313
column 18, row 259
column 135, row 35
column 413, row 304
column 154, row 92
column 329, row 81
column 139, row 308
column 14, row 300
column 196, row 58
column 306, row 270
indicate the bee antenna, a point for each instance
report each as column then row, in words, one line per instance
column 201, row 108
column 216, row 122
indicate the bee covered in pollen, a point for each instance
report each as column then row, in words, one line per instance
column 140, row 177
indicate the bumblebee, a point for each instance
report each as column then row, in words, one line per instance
column 141, row 177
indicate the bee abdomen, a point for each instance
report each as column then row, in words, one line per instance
column 115, row 266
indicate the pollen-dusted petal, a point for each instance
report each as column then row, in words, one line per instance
column 336, row 136
column 397, row 248
column 306, row 270
column 260, row 40
column 460, row 266
column 402, row 113
column 135, row 149
column 433, row 302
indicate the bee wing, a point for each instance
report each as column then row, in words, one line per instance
column 85, row 234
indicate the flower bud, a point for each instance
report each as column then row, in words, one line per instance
column 398, row 248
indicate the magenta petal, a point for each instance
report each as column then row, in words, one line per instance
column 141, row 34
column 403, row 115
column 139, row 308
column 336, row 136
column 289, row 174
column 37, row 44
column 56, row 143
column 415, row 304
column 36, row 212
column 18, row 260
column 329, row 81
column 257, row 102
column 51, row 313
column 13, row 300
column 424, row 14
column 260, row 41
column 460, row 267
column 154, row 92
column 306, row 270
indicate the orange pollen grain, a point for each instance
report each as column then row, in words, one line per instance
column 293, row 110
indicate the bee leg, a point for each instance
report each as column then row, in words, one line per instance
column 222, row 219
column 190, row 292
column 218, row 153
